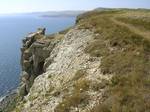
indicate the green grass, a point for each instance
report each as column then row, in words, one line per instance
column 124, row 54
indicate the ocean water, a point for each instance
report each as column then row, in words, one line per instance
column 13, row 28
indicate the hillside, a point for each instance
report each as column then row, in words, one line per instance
column 99, row 65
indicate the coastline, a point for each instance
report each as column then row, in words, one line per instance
column 8, row 99
column 7, row 94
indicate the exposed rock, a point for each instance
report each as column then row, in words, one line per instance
column 34, row 53
column 80, row 69
column 25, row 76
column 22, row 90
column 54, row 70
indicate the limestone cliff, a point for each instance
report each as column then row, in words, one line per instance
column 36, row 48
column 66, row 69
column 54, row 67
column 95, row 66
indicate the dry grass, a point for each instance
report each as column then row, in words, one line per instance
column 65, row 31
column 72, row 101
column 78, row 96
column 142, row 23
column 125, row 54
column 79, row 74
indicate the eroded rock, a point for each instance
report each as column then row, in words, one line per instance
column 34, row 53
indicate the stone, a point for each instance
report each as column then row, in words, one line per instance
column 25, row 76
column 41, row 31
column 26, row 54
column 34, row 53
column 26, row 64
column 22, row 90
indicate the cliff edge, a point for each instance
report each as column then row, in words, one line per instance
column 99, row 65
column 67, row 71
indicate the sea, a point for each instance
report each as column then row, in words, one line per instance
column 13, row 28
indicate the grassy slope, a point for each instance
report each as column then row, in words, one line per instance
column 126, row 54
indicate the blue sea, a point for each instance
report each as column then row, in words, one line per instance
column 13, row 28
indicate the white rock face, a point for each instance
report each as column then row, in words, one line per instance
column 68, row 57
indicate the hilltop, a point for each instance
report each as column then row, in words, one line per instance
column 99, row 65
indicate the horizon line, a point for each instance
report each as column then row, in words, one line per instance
column 30, row 12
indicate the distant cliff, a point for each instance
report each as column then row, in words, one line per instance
column 99, row 65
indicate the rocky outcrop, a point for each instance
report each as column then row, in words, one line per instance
column 57, row 74
column 34, row 52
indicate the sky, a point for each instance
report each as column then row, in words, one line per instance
column 20, row 6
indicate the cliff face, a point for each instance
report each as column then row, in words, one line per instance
column 94, row 66
column 36, row 48
column 67, row 71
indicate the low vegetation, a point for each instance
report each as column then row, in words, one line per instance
column 72, row 101
column 125, row 54
column 78, row 96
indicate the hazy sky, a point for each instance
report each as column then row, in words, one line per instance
column 13, row 6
